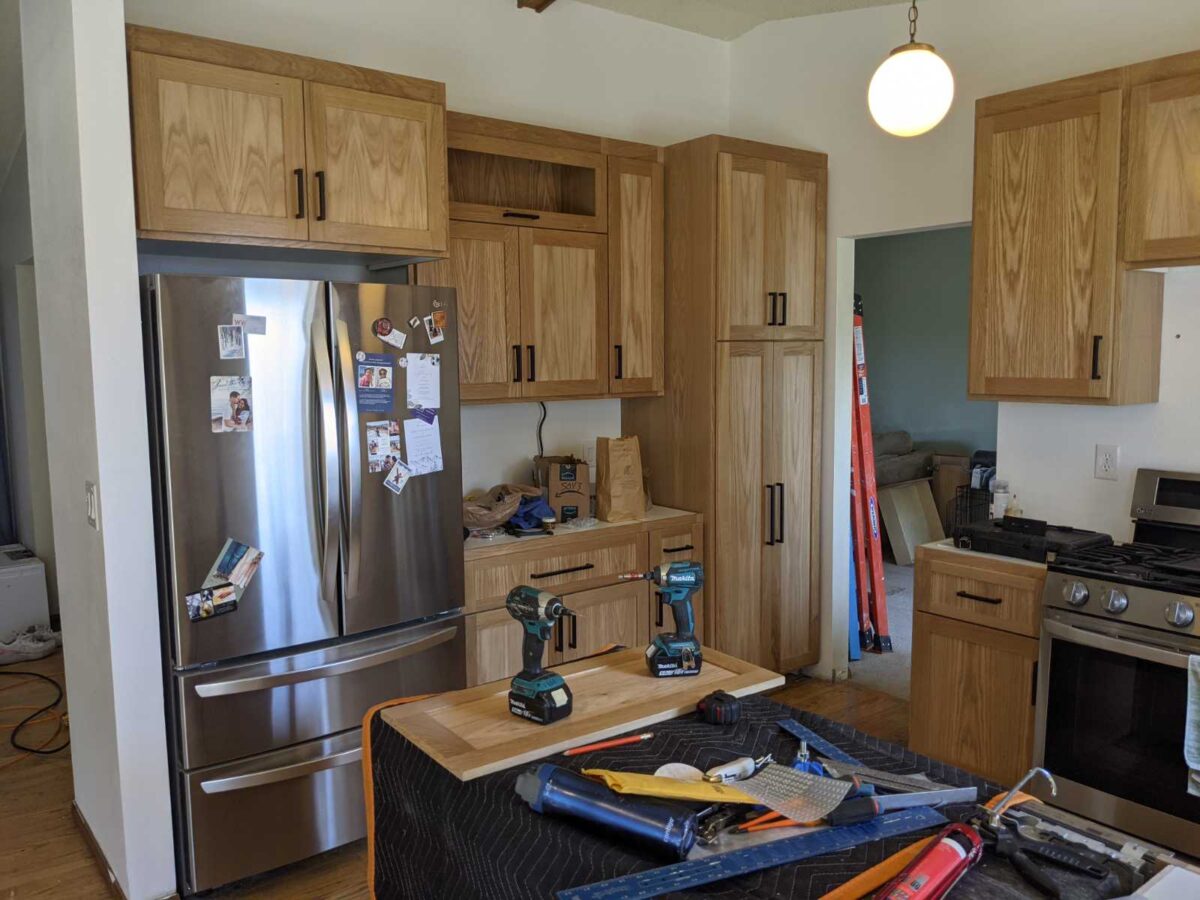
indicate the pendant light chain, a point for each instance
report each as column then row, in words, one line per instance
column 912, row 23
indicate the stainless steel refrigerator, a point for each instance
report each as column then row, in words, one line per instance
column 279, row 410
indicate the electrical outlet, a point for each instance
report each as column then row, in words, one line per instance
column 92, row 496
column 1108, row 457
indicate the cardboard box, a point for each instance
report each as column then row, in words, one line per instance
column 949, row 471
column 568, row 490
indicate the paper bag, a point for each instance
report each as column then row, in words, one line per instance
column 619, row 493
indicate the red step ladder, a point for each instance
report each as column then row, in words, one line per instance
column 864, row 507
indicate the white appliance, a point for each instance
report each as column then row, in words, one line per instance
column 22, row 590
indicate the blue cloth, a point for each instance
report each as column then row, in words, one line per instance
column 1191, row 733
column 530, row 513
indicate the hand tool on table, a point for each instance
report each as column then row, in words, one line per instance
column 676, row 652
column 804, row 761
column 736, row 770
column 694, row 872
column 938, row 867
column 536, row 694
column 608, row 745
column 666, row 828
column 719, row 708
column 860, row 809
column 816, row 742
column 887, row 780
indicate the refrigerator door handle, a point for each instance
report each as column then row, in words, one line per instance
column 353, row 492
column 282, row 773
column 329, row 461
column 253, row 683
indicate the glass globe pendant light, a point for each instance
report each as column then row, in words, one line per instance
column 912, row 89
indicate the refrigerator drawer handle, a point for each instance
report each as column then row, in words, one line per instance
column 328, row 670
column 582, row 568
column 282, row 773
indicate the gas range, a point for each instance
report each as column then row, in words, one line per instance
column 1139, row 583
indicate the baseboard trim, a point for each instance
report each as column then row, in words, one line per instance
column 101, row 861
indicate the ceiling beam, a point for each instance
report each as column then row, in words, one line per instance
column 535, row 5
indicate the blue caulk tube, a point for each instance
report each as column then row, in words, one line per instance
column 665, row 828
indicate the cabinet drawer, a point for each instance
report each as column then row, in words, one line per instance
column 994, row 593
column 583, row 565
column 494, row 640
column 679, row 544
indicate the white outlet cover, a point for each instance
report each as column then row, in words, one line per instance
column 1108, row 460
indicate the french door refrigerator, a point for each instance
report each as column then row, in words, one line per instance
column 308, row 490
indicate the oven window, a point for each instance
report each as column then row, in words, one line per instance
column 1178, row 492
column 1115, row 724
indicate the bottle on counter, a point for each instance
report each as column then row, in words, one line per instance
column 1000, row 498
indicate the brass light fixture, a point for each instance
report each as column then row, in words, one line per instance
column 911, row 91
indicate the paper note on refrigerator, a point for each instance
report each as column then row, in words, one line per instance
column 424, row 381
column 423, row 443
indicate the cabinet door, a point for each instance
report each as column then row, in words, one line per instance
column 796, row 249
column 669, row 545
column 744, row 311
column 564, row 312
column 1044, row 250
column 635, row 275
column 609, row 615
column 793, row 592
column 972, row 697
column 379, row 169
column 744, row 504
column 483, row 267
column 494, row 647
column 1162, row 204
column 217, row 150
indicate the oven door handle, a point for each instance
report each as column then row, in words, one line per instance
column 1126, row 647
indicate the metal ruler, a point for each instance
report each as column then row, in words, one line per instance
column 905, row 783
column 816, row 742
column 692, row 873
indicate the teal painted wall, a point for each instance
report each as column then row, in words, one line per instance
column 916, row 298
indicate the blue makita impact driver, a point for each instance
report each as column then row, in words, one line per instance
column 677, row 652
column 536, row 694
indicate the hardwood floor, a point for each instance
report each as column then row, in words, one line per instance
column 43, row 853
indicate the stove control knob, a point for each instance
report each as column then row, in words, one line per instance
column 1115, row 602
column 1075, row 593
column 1179, row 614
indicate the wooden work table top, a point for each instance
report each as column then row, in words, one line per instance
column 656, row 516
column 948, row 546
column 471, row 733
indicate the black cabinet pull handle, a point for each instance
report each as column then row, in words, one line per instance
column 783, row 297
column 771, row 515
column 774, row 300
column 516, row 362
column 299, row 173
column 658, row 613
column 574, row 642
column 1096, row 338
column 679, row 549
column 779, row 489
column 509, row 214
column 320, row 196
column 532, row 376
column 620, row 361
column 558, row 636
column 979, row 598
column 582, row 568
column 1033, row 690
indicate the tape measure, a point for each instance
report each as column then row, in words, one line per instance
column 719, row 708
column 692, row 873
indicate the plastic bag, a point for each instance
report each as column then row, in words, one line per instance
column 497, row 506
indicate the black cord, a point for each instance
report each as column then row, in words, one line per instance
column 541, row 422
column 12, row 738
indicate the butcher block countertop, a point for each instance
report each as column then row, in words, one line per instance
column 565, row 538
column 471, row 733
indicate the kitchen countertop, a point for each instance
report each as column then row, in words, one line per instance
column 948, row 545
column 480, row 548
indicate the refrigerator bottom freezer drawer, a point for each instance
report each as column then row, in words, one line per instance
column 270, row 810
column 239, row 710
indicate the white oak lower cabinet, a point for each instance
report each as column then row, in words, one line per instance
column 582, row 567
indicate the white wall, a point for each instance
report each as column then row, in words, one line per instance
column 803, row 82
column 575, row 67
column 81, row 201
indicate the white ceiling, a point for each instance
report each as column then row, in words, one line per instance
column 12, row 103
column 727, row 19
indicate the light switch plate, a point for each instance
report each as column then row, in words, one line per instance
column 92, row 496
column 1108, row 458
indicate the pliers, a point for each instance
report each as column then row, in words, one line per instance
column 1007, row 843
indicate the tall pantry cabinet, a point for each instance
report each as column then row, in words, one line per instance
column 738, row 434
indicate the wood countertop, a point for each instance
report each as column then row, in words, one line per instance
column 480, row 548
column 471, row 733
column 947, row 545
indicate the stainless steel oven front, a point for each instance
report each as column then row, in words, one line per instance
column 1111, row 706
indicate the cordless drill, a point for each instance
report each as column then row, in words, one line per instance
column 536, row 694
column 677, row 652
